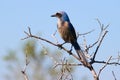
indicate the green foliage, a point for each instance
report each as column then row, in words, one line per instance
column 29, row 48
column 11, row 56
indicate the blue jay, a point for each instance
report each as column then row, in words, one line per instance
column 68, row 34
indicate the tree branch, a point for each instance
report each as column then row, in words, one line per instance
column 114, row 75
column 84, row 33
column 100, row 39
column 24, row 70
column 109, row 63
column 93, row 59
column 104, row 66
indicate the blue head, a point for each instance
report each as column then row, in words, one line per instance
column 62, row 16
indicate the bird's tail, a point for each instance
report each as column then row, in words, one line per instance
column 80, row 53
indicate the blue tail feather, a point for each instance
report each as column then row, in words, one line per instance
column 76, row 46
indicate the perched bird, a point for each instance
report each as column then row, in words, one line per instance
column 68, row 34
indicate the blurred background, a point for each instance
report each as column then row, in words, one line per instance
column 15, row 18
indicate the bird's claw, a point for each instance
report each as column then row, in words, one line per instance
column 70, row 51
column 59, row 46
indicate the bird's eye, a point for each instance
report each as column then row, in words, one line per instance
column 58, row 14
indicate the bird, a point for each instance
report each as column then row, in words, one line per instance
column 68, row 34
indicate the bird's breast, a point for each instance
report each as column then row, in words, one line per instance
column 65, row 32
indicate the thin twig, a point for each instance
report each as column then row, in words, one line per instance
column 109, row 63
column 68, row 64
column 90, row 46
column 24, row 70
column 85, row 33
column 99, row 22
column 106, row 27
column 65, row 71
column 99, row 45
column 114, row 75
column 53, row 35
column 104, row 66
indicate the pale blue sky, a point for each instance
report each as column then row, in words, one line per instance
column 16, row 16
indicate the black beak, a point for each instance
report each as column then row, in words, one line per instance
column 53, row 15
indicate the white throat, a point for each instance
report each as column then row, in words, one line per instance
column 59, row 23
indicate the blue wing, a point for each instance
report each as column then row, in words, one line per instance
column 72, row 30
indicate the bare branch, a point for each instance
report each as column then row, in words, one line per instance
column 24, row 70
column 90, row 46
column 99, row 22
column 104, row 66
column 67, row 64
column 85, row 33
column 109, row 63
column 106, row 27
column 65, row 69
column 53, row 35
column 99, row 46
column 117, row 58
column 114, row 75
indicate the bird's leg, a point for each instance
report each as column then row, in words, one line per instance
column 71, row 48
column 60, row 45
